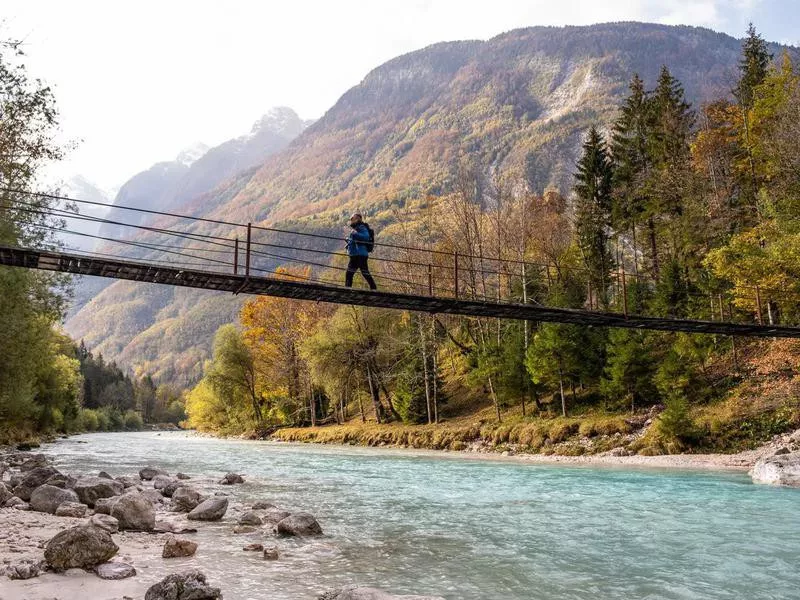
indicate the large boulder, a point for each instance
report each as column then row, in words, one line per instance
column 300, row 525
column 178, row 548
column 185, row 498
column 183, row 586
column 147, row 473
column 91, row 489
column 80, row 547
column 212, row 509
column 353, row 592
column 47, row 498
column 134, row 512
column 231, row 479
column 72, row 509
column 32, row 480
column 781, row 469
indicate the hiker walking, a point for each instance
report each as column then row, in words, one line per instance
column 359, row 244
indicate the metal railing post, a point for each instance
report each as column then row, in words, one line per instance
column 247, row 259
column 758, row 306
column 624, row 295
column 236, row 257
column 455, row 273
column 430, row 280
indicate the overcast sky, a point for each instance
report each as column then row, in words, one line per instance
column 138, row 81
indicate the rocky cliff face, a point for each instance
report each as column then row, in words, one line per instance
column 521, row 101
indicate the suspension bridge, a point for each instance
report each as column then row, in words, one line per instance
column 410, row 278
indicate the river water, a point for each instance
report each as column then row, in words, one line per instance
column 425, row 523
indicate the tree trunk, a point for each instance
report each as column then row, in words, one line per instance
column 494, row 399
column 651, row 229
column 435, row 391
column 425, row 372
column 373, row 392
column 561, row 390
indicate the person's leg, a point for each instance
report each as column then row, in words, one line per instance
column 352, row 267
column 365, row 272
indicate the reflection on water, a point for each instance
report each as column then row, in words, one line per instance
column 423, row 523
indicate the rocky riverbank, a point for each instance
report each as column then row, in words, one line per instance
column 138, row 535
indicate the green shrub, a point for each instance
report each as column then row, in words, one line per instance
column 133, row 421
column 88, row 420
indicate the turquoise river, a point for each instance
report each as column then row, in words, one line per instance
column 441, row 524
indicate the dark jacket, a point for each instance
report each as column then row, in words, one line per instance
column 355, row 243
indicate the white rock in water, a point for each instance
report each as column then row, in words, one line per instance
column 782, row 469
column 353, row 592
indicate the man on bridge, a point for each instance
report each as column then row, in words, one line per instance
column 359, row 244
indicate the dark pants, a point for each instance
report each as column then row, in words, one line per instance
column 359, row 263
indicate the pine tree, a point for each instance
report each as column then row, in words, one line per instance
column 630, row 156
column 593, row 211
column 672, row 121
column 753, row 67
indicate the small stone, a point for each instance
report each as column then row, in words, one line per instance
column 182, row 476
column 103, row 505
column 183, row 586
column 27, row 569
column 271, row 553
column 107, row 522
column 231, row 479
column 261, row 505
column 114, row 570
column 71, row 509
column 249, row 518
column 244, row 529
column 128, row 481
column 185, row 499
column 782, row 451
column 275, row 516
column 299, row 524
column 178, row 548
column 253, row 548
column 104, row 475
column 212, row 509
column 147, row 473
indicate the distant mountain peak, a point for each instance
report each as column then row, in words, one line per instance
column 280, row 120
column 191, row 153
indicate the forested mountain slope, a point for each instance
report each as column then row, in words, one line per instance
column 521, row 101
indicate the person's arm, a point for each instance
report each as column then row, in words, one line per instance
column 360, row 237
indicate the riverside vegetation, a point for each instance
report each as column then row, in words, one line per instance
column 697, row 204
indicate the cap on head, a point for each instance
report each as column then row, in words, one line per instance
column 355, row 218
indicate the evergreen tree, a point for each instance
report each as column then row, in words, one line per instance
column 593, row 211
column 629, row 151
column 753, row 67
column 672, row 121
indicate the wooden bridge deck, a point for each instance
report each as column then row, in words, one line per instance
column 65, row 262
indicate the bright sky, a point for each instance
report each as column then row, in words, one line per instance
column 138, row 81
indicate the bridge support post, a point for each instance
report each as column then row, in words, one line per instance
column 247, row 258
column 624, row 295
column 758, row 306
column 455, row 273
column 430, row 280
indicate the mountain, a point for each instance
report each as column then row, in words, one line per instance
column 199, row 169
column 79, row 186
column 520, row 101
